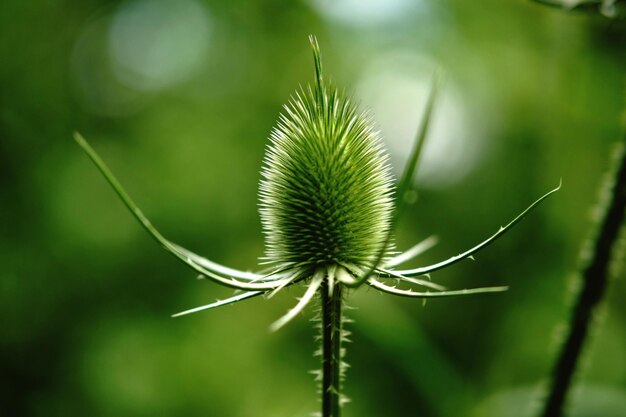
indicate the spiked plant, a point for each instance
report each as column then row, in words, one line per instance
column 327, row 211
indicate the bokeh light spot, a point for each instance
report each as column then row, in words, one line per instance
column 155, row 44
column 359, row 12
column 396, row 87
column 95, row 85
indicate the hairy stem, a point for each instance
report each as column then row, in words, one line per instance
column 595, row 278
column 331, row 349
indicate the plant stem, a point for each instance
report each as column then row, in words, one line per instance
column 595, row 278
column 331, row 349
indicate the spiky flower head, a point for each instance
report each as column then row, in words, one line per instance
column 326, row 193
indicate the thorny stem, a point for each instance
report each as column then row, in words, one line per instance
column 595, row 278
column 331, row 349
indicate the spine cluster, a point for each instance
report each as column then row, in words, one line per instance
column 326, row 192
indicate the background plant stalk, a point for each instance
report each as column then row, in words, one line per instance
column 595, row 276
column 331, row 348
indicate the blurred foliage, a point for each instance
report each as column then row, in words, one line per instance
column 179, row 98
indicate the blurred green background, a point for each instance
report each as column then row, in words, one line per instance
column 179, row 98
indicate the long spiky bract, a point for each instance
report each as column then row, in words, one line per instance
column 327, row 212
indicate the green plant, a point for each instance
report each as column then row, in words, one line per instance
column 328, row 216
column 606, row 251
column 595, row 275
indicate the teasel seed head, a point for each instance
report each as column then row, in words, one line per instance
column 326, row 192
